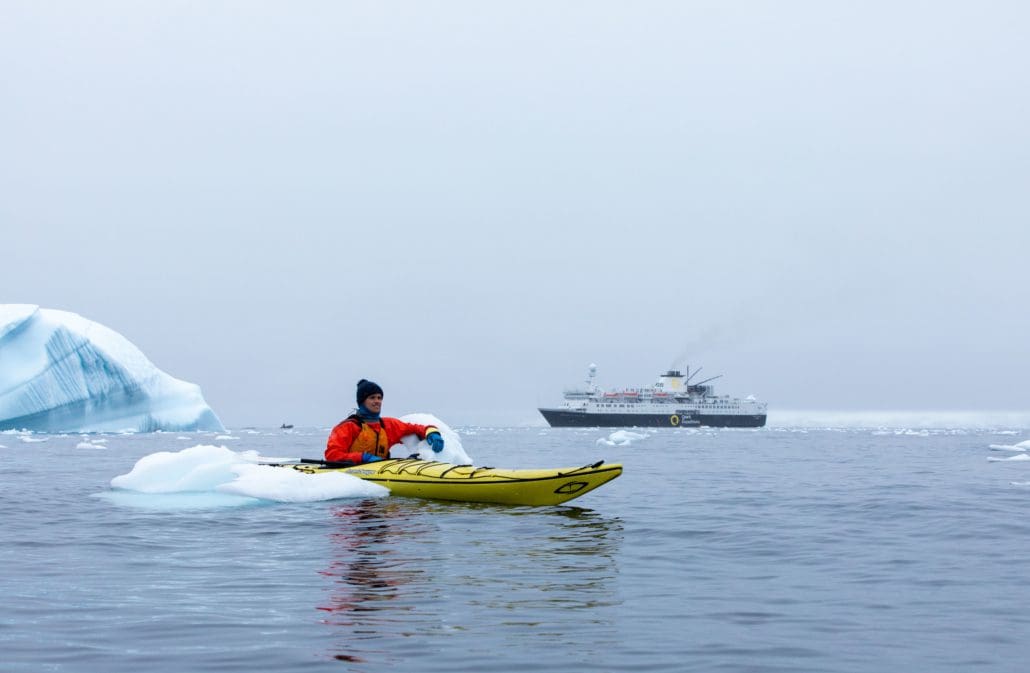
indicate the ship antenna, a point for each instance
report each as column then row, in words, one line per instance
column 690, row 376
column 717, row 376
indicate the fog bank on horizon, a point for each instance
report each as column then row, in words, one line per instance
column 469, row 203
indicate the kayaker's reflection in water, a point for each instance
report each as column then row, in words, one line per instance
column 386, row 556
column 363, row 574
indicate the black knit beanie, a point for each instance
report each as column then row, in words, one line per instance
column 366, row 388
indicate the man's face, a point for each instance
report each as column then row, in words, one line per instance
column 374, row 403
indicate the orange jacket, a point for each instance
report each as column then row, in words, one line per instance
column 351, row 437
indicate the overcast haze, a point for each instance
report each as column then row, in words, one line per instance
column 470, row 202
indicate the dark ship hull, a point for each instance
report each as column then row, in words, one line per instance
column 564, row 418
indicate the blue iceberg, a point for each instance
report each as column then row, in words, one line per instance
column 60, row 372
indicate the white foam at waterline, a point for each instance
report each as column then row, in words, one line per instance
column 89, row 445
column 32, row 440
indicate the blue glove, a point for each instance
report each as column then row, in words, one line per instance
column 369, row 457
column 435, row 441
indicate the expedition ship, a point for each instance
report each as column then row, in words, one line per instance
column 673, row 401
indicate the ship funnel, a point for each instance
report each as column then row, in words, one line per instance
column 671, row 381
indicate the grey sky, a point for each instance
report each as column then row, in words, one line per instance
column 470, row 202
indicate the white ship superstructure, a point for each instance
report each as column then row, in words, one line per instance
column 673, row 401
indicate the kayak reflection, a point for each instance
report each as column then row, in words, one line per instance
column 410, row 573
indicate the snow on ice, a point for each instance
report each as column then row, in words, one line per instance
column 60, row 372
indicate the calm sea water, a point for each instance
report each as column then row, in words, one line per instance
column 717, row 550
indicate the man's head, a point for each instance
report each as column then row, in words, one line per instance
column 370, row 396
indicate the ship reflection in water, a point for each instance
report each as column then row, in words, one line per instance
column 672, row 401
column 405, row 572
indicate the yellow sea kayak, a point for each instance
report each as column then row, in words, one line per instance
column 411, row 477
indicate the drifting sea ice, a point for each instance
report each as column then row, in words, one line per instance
column 60, row 372
column 1022, row 446
column 622, row 438
column 202, row 475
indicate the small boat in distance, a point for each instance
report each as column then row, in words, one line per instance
column 673, row 401
column 286, row 426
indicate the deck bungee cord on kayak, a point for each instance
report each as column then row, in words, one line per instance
column 434, row 480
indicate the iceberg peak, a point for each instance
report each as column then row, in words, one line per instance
column 60, row 372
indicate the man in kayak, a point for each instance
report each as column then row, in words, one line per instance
column 365, row 436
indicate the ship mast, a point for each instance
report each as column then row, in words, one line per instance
column 591, row 373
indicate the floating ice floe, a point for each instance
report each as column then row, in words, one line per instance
column 622, row 438
column 202, row 473
column 453, row 451
column 1016, row 458
column 273, row 483
column 60, row 372
column 1022, row 446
